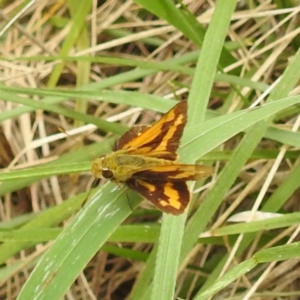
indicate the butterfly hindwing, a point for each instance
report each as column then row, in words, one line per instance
column 165, row 185
column 170, row 197
column 160, row 140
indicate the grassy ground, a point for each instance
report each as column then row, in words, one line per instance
column 97, row 69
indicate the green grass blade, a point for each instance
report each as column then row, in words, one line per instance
column 169, row 246
column 78, row 243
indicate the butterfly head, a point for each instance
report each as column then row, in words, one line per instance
column 100, row 169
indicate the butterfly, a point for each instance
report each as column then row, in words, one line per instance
column 145, row 160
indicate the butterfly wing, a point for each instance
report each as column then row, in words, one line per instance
column 130, row 135
column 160, row 140
column 174, row 172
column 165, row 186
column 170, row 197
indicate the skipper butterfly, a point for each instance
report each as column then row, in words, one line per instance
column 145, row 160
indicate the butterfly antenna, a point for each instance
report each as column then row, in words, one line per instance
column 62, row 130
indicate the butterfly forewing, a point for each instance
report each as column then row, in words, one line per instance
column 130, row 135
column 174, row 172
column 160, row 140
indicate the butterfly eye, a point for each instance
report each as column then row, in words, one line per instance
column 108, row 174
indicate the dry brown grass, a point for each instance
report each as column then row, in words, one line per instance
column 262, row 39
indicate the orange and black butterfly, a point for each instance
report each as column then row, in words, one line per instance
column 145, row 160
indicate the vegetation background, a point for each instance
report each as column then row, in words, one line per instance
column 97, row 68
